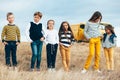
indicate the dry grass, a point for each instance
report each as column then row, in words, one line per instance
column 78, row 57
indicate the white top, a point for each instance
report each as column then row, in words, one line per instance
column 51, row 36
column 27, row 31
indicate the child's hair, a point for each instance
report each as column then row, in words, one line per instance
column 9, row 13
column 49, row 21
column 95, row 16
column 62, row 29
column 38, row 13
column 109, row 27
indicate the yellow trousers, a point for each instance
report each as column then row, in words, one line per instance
column 109, row 58
column 94, row 48
column 65, row 53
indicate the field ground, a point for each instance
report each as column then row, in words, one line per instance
column 79, row 54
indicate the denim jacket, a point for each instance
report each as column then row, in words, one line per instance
column 109, row 40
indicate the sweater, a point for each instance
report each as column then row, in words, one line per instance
column 51, row 37
column 66, row 39
column 92, row 30
column 10, row 33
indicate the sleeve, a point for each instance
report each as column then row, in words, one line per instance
column 3, row 34
column 27, row 33
column 45, row 35
column 18, row 34
column 85, row 31
column 43, row 31
column 115, row 41
column 57, row 37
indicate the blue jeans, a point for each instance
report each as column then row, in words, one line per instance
column 36, row 47
column 10, row 51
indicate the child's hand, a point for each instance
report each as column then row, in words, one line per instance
column 42, row 39
column 5, row 43
column 17, row 43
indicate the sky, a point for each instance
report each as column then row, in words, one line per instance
column 73, row 11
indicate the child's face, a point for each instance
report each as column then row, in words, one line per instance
column 10, row 18
column 50, row 24
column 98, row 20
column 37, row 18
column 107, row 31
column 65, row 25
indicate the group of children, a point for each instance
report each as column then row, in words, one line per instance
column 36, row 34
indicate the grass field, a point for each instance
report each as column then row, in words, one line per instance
column 79, row 54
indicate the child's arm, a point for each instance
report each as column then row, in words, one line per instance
column 85, row 31
column 57, row 37
column 3, row 36
column 115, row 41
column 18, row 35
column 27, row 33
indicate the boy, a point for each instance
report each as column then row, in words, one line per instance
column 11, row 38
column 35, row 32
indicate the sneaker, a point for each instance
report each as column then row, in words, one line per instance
column 53, row 69
column 83, row 71
column 49, row 70
column 38, row 69
column 31, row 70
column 98, row 71
column 15, row 68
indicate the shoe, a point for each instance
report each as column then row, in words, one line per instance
column 98, row 71
column 15, row 68
column 49, row 70
column 53, row 70
column 38, row 69
column 31, row 70
column 83, row 71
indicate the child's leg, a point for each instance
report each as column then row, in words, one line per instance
column 7, row 54
column 91, row 53
column 49, row 60
column 97, row 53
column 34, row 54
column 68, row 57
column 54, row 55
column 39, row 52
column 62, row 51
column 14, row 58
column 106, row 52
column 111, row 58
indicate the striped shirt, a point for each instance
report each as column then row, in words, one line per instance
column 10, row 33
column 66, row 38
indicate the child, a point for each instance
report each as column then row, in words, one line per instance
column 93, row 34
column 109, row 42
column 65, row 38
column 52, row 40
column 35, row 32
column 11, row 38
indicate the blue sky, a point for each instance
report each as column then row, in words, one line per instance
column 73, row 11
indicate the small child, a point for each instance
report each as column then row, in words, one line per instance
column 65, row 40
column 109, row 42
column 11, row 38
column 52, row 40
column 34, row 34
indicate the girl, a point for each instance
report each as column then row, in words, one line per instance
column 52, row 40
column 65, row 38
column 93, row 34
column 109, row 42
